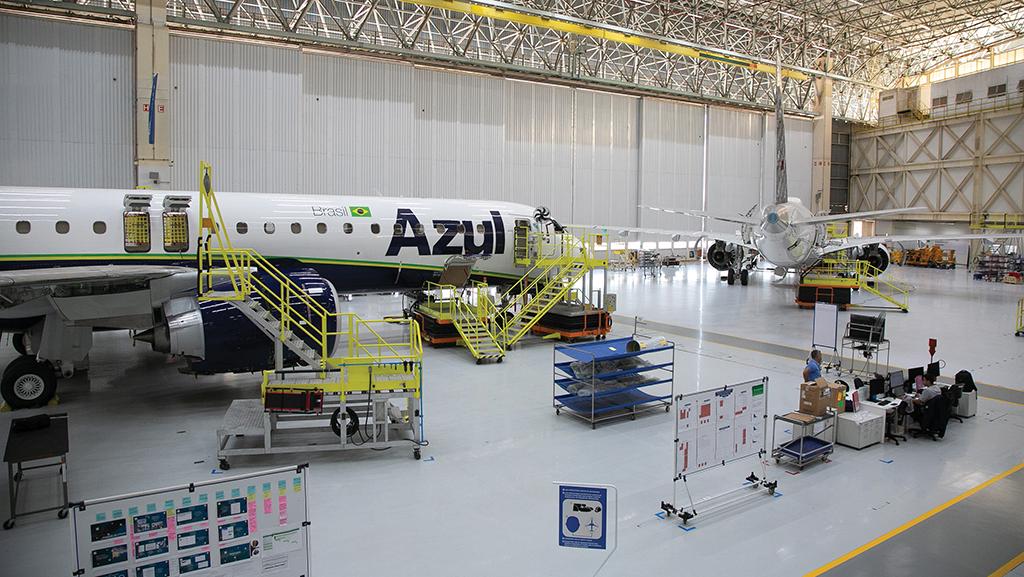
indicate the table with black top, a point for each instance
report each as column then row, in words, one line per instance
column 29, row 446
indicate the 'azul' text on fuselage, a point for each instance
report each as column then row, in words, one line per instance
column 413, row 235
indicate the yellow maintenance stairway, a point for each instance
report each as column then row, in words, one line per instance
column 555, row 263
column 370, row 378
column 833, row 277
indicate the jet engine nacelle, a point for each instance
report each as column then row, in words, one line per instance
column 721, row 256
column 876, row 255
column 216, row 337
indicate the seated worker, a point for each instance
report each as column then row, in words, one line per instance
column 813, row 369
column 929, row 392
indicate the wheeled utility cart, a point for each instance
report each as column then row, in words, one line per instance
column 806, row 445
column 613, row 378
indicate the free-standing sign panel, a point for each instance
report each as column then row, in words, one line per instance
column 720, row 425
column 583, row 512
column 255, row 524
column 826, row 326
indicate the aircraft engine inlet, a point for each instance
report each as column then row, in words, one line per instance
column 720, row 256
column 876, row 255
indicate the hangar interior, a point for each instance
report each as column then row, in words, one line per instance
column 484, row 115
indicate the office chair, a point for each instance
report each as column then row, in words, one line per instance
column 955, row 392
column 933, row 418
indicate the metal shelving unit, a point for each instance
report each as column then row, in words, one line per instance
column 806, row 447
column 608, row 379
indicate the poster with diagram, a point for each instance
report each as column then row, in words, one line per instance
column 254, row 524
column 720, row 425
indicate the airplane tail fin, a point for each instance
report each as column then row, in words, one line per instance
column 781, row 186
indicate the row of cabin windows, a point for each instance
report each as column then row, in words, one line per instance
column 62, row 227
column 296, row 228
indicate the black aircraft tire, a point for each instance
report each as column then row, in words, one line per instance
column 28, row 383
column 744, row 277
column 731, row 277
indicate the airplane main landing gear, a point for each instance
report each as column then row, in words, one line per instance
column 28, row 383
column 731, row 277
column 744, row 277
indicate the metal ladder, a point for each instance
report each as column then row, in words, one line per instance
column 857, row 274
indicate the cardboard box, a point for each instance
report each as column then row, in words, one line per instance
column 838, row 393
column 815, row 399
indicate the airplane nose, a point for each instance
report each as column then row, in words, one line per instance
column 773, row 217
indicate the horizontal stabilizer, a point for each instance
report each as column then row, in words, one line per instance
column 738, row 219
column 856, row 215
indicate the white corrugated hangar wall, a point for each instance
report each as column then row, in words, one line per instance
column 279, row 119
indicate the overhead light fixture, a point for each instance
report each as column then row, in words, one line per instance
column 857, row 2
column 784, row 13
column 889, row 14
column 873, row 39
column 923, row 27
column 832, row 28
column 731, row 25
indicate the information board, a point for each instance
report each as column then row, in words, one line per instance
column 720, row 425
column 825, row 330
column 583, row 513
column 254, row 524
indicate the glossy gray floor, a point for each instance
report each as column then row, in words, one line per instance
column 482, row 500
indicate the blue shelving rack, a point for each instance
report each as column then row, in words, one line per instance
column 588, row 385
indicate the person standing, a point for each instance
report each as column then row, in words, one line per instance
column 812, row 371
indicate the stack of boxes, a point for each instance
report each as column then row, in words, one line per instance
column 818, row 396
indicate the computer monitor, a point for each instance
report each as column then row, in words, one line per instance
column 866, row 328
column 896, row 381
column 915, row 372
column 933, row 369
column 877, row 387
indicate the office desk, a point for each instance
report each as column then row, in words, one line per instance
column 37, row 445
column 894, row 427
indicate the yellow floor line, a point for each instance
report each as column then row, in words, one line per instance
column 913, row 522
column 1010, row 565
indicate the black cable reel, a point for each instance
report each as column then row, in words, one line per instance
column 352, row 425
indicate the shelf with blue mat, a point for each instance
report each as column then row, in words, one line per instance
column 613, row 378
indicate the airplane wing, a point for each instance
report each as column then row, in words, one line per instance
column 737, row 219
column 847, row 243
column 675, row 235
column 113, row 296
column 41, row 277
column 856, row 215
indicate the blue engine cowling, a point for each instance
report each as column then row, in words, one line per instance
column 216, row 337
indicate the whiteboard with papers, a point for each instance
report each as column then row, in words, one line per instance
column 716, row 426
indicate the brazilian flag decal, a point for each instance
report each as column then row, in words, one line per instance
column 359, row 210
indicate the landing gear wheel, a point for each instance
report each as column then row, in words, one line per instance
column 28, row 383
column 224, row 465
column 744, row 277
column 479, row 361
column 500, row 359
column 416, row 453
column 62, row 514
column 18, row 340
column 8, row 524
column 731, row 277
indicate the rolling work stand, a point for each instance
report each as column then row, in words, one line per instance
column 805, row 448
column 38, row 438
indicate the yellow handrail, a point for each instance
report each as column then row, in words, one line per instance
column 240, row 266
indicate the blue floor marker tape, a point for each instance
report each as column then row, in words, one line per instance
column 685, row 528
column 886, row 461
column 660, row 514
column 776, row 494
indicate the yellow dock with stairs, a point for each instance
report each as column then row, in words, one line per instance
column 843, row 273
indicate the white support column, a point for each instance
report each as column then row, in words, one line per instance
column 152, row 77
column 821, row 152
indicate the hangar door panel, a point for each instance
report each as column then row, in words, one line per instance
column 671, row 164
column 734, row 164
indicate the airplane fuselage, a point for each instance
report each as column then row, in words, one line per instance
column 356, row 243
column 785, row 244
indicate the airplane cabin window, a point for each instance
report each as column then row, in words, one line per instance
column 296, row 228
column 398, row 229
column 480, row 229
column 23, row 227
column 62, row 227
column 268, row 227
column 375, row 228
column 136, row 230
column 242, row 228
column 99, row 227
column 439, row 228
column 321, row 227
column 418, row 230
column 347, row 227
column 462, row 229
